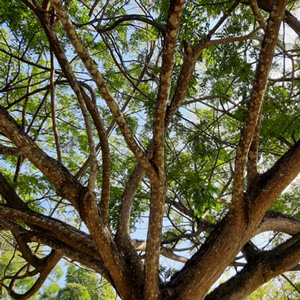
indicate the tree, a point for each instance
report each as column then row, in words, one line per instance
column 184, row 113
column 276, row 290
column 96, row 287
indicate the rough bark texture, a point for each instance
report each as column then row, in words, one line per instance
column 112, row 252
column 159, row 184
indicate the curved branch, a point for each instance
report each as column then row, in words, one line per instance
column 108, row 249
column 293, row 22
column 48, row 264
column 166, row 252
column 65, row 183
column 74, row 253
column 59, row 230
column 258, row 17
column 122, row 19
column 105, row 189
column 92, row 148
column 53, row 112
column 290, row 19
column 88, row 205
column 277, row 221
column 186, row 72
column 27, row 254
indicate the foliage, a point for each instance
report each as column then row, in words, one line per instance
column 151, row 148
column 279, row 290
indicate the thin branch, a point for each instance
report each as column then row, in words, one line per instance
column 22, row 59
column 122, row 19
column 123, row 226
column 94, row 163
column 291, row 283
column 105, row 188
column 212, row 97
column 53, row 114
column 228, row 40
column 108, row 97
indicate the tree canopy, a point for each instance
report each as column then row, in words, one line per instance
column 156, row 143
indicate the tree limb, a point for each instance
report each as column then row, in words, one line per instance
column 122, row 19
column 66, row 185
column 277, row 221
column 158, row 184
column 239, row 207
column 263, row 267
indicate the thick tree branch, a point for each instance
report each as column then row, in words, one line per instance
column 191, row 54
column 42, row 266
column 4, row 150
column 186, row 72
column 239, row 207
column 83, row 101
column 262, row 267
column 125, row 282
column 276, row 221
column 289, row 18
column 158, row 185
column 268, row 188
column 88, row 203
column 10, row 195
column 259, row 18
column 66, row 185
column 61, row 231
column 72, row 253
column 173, row 25
column 25, row 250
column 293, row 22
column 125, row 105
column 123, row 227
column 272, row 183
